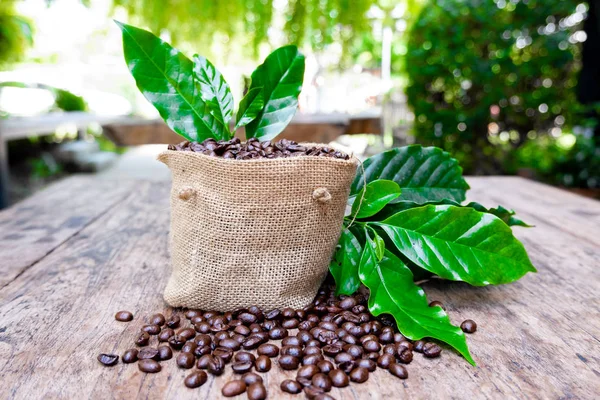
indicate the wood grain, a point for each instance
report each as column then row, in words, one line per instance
column 537, row 338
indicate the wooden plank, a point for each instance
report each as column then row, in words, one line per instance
column 33, row 228
column 537, row 338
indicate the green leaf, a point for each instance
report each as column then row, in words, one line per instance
column 214, row 90
column 250, row 107
column 504, row 214
column 458, row 243
column 344, row 265
column 394, row 292
column 280, row 76
column 423, row 173
column 165, row 77
column 376, row 195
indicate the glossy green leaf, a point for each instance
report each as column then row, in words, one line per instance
column 344, row 265
column 458, row 243
column 506, row 215
column 214, row 90
column 376, row 195
column 393, row 291
column 280, row 76
column 165, row 77
column 423, row 173
column 250, row 107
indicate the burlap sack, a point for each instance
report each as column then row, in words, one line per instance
column 253, row 232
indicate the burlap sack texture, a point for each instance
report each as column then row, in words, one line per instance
column 253, row 232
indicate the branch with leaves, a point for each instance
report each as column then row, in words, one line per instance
column 407, row 221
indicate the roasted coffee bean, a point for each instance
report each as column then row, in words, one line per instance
column 339, row 378
column 262, row 364
column 468, row 326
column 189, row 314
column 436, row 303
column 157, row 319
column 290, row 323
column 243, row 356
column 354, row 350
column 233, row 388
column 386, row 336
column 288, row 312
column 173, row 321
column 164, row 353
column 359, row 375
column 203, row 340
column 311, row 392
column 398, row 370
column 404, row 355
column 247, row 318
column 230, row 344
column 367, row 338
column 177, row 341
column 268, row 325
column 371, row 346
column 241, row 367
column 216, row 365
column 343, row 357
column 195, row 379
column 325, row 366
column 148, row 353
column 359, row 309
column 130, row 356
column 307, row 371
column 385, row 360
column 224, row 353
column 398, row 337
column 389, row 349
column 242, row 330
column 165, row 334
column 150, row 366
column 367, row 364
column 347, row 366
column 304, row 336
column 323, row 396
column 124, row 316
column 371, row 356
column 313, row 343
column 295, row 351
column 304, row 381
column 221, row 336
column 348, row 303
column 312, row 359
column 252, row 342
column 189, row 347
column 291, row 341
column 203, row 361
column 329, row 326
column 151, row 329
column 268, row 349
column 332, row 350
column 255, row 328
column 355, row 330
column 143, row 339
column 108, row 359
column 404, row 344
column 418, row 346
column 202, row 327
column 432, row 350
column 185, row 360
column 186, row 333
column 257, row 391
column 290, row 386
column 273, row 315
column 251, row 377
column 310, row 350
column 322, row 381
column 288, row 362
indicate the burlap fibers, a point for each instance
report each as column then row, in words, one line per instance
column 253, row 232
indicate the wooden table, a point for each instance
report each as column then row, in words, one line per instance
column 74, row 254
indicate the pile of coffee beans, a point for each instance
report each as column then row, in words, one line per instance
column 332, row 342
column 236, row 150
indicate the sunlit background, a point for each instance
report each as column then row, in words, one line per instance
column 506, row 86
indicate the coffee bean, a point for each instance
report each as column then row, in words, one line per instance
column 304, row 336
column 322, row 381
column 310, row 350
column 203, row 361
column 348, row 303
column 247, row 318
column 257, row 391
column 325, row 366
column 288, row 362
column 177, row 342
column 157, row 319
column 195, row 379
column 354, row 350
column 359, row 375
column 290, row 323
column 174, row 321
column 142, row 339
column 398, row 337
column 148, row 353
column 262, row 364
column 385, row 360
column 404, row 344
column 216, row 365
column 222, row 335
column 165, row 334
column 291, row 341
column 164, row 353
column 233, row 388
column 432, row 350
column 343, row 357
column 150, row 366
column 186, row 333
column 329, row 326
column 323, row 396
column 290, row 386
column 124, row 316
column 185, row 360
column 242, row 330
column 390, row 349
column 367, row 364
column 404, row 355
column 130, row 356
column 273, row 315
column 386, row 336
column 312, row 392
column 230, row 344
column 436, row 303
column 189, row 347
column 203, row 340
column 418, row 346
column 371, row 346
column 151, row 329
column 252, row 342
column 202, row 327
column 347, row 366
column 189, row 314
column 313, row 343
column 307, row 371
column 312, row 359
column 398, row 370
column 242, row 356
column 241, row 367
column 108, row 359
column 468, row 326
column 268, row 349
column 295, row 351
column 332, row 350
column 224, row 353
column 339, row 378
